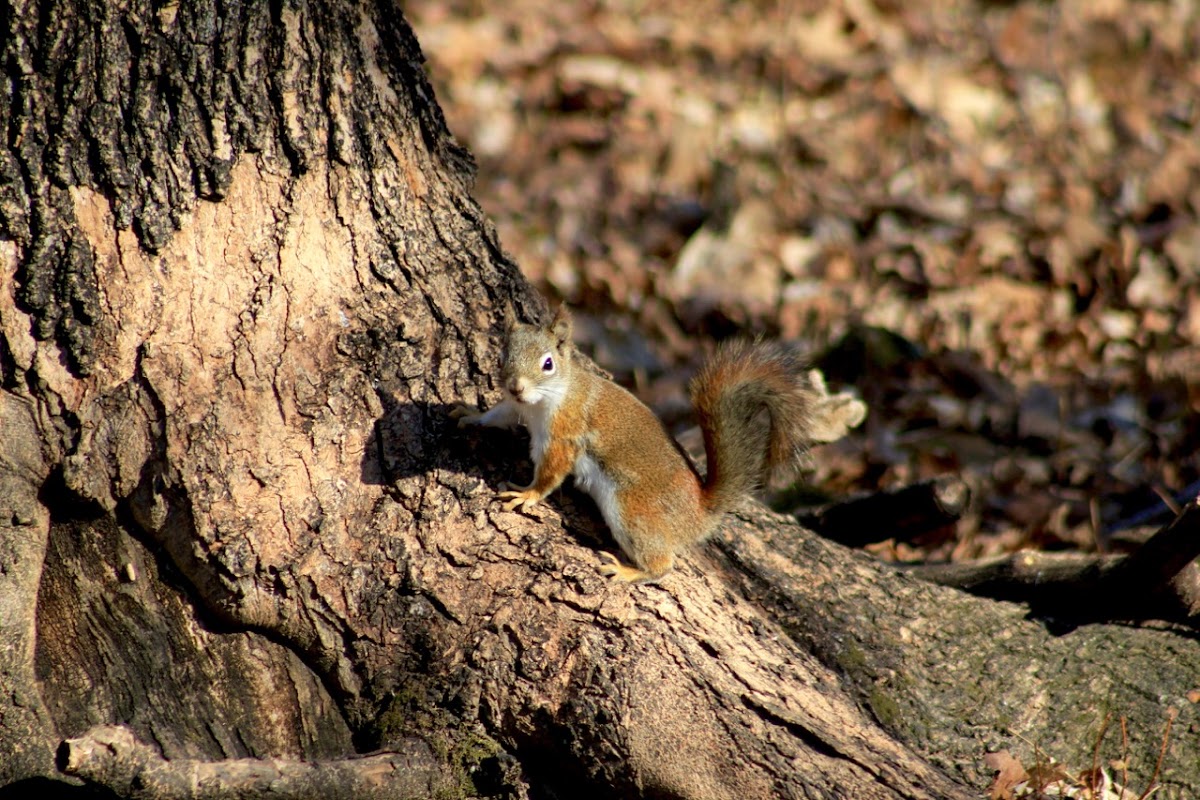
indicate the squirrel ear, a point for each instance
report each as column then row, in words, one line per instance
column 560, row 326
column 510, row 318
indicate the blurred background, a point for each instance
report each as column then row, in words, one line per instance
column 982, row 216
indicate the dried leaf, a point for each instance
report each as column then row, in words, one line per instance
column 1009, row 773
column 939, row 87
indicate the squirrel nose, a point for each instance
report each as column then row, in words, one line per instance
column 516, row 387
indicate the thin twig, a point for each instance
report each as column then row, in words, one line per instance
column 1124, row 758
column 1167, row 500
column 1096, row 752
column 1146, row 515
column 1162, row 754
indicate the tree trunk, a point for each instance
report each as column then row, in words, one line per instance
column 244, row 281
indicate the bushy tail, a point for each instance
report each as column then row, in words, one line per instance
column 760, row 409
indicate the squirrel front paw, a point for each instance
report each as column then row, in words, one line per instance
column 465, row 414
column 522, row 500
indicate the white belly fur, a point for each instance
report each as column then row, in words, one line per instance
column 590, row 478
column 535, row 419
column 588, row 475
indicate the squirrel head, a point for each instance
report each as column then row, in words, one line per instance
column 537, row 359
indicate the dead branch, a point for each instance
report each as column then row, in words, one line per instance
column 111, row 756
column 1158, row 581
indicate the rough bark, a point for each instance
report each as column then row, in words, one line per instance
column 244, row 280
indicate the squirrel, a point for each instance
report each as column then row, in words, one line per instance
column 758, row 408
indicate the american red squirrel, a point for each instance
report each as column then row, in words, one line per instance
column 758, row 407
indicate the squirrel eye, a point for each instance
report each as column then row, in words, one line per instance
column 548, row 364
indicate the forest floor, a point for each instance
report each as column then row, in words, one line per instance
column 981, row 216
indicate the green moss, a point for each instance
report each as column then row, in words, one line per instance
column 852, row 659
column 469, row 752
column 390, row 725
column 464, row 749
column 400, row 717
column 885, row 709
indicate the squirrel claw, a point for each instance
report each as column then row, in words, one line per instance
column 465, row 414
column 612, row 568
column 519, row 501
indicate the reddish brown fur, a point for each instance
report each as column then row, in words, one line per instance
column 753, row 407
column 555, row 465
column 657, row 492
column 754, row 404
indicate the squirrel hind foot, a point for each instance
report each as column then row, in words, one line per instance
column 613, row 568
